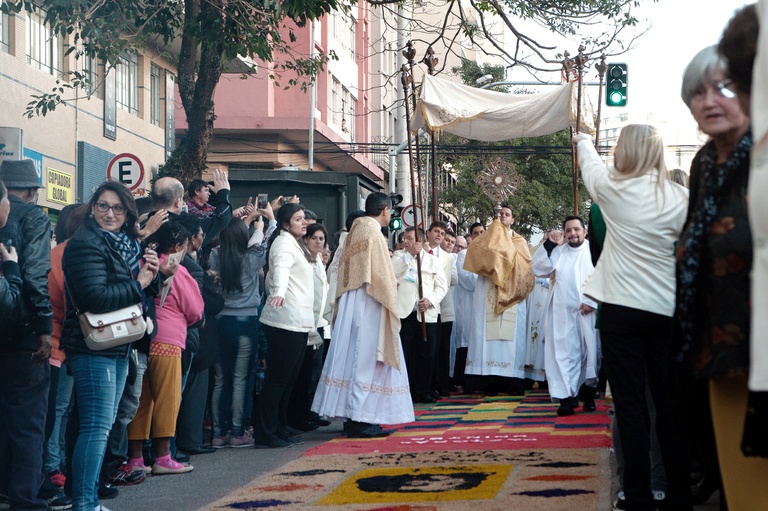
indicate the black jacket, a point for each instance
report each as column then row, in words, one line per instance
column 11, row 302
column 100, row 280
column 34, row 263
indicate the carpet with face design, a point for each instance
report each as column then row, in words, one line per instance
column 502, row 453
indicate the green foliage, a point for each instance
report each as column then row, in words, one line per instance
column 470, row 72
column 545, row 195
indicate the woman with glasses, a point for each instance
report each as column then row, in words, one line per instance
column 105, row 269
column 178, row 309
column 714, row 258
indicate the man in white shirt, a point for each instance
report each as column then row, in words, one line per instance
column 436, row 235
column 415, row 306
column 570, row 356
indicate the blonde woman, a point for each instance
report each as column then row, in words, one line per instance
column 635, row 282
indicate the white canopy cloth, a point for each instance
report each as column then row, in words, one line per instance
column 490, row 116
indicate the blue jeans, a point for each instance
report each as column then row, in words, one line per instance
column 99, row 383
column 117, row 445
column 237, row 345
column 23, row 404
column 53, row 450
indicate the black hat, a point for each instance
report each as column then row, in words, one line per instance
column 19, row 174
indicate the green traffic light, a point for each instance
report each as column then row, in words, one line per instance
column 616, row 85
column 616, row 99
column 396, row 224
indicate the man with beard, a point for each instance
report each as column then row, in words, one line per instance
column 571, row 347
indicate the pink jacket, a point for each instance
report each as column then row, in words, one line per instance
column 183, row 308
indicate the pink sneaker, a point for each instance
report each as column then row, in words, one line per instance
column 241, row 441
column 221, row 441
column 167, row 465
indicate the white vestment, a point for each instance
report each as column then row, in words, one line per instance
column 462, row 302
column 536, row 305
column 571, row 342
column 353, row 384
column 499, row 355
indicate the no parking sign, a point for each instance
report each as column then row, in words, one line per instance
column 127, row 169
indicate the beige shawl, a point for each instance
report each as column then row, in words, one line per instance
column 506, row 261
column 365, row 261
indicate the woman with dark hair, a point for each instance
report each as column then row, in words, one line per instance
column 105, row 270
column 287, row 319
column 299, row 414
column 178, row 310
column 237, row 260
column 60, row 393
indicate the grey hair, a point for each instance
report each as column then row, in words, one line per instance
column 699, row 71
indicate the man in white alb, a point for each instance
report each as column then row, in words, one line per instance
column 364, row 378
column 571, row 346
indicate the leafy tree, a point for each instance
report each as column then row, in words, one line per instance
column 536, row 31
column 210, row 33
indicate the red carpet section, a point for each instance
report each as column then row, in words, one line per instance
column 463, row 422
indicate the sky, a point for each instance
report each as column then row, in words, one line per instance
column 676, row 31
column 679, row 29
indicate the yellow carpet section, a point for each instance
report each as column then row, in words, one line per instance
column 427, row 484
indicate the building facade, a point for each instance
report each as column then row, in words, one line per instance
column 122, row 119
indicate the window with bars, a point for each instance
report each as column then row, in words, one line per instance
column 154, row 94
column 91, row 75
column 350, row 116
column 335, row 107
column 127, row 83
column 5, row 33
column 44, row 48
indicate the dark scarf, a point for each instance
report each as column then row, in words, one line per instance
column 717, row 180
column 126, row 246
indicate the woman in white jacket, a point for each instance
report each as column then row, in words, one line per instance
column 635, row 282
column 287, row 318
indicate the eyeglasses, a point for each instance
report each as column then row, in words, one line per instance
column 723, row 87
column 117, row 209
column 726, row 88
column 461, row 247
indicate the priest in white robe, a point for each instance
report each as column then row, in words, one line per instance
column 364, row 378
column 571, row 342
column 536, row 305
column 496, row 351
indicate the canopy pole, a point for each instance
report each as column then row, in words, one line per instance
column 407, row 81
column 431, row 61
column 410, row 54
column 600, row 67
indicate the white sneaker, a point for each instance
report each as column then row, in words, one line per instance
column 100, row 508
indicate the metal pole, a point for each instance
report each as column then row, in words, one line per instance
column 312, row 94
column 600, row 67
column 405, row 79
column 410, row 53
column 431, row 61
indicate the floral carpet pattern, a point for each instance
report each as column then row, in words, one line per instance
column 501, row 453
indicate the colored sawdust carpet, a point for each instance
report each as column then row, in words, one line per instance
column 554, row 479
column 505, row 422
column 501, row 453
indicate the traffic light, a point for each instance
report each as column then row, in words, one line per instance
column 395, row 222
column 616, row 85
